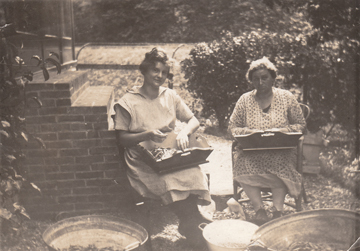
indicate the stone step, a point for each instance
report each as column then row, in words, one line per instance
column 95, row 96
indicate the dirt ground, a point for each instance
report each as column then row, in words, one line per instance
column 321, row 193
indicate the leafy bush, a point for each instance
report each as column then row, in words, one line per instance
column 351, row 177
column 13, row 134
column 338, row 160
column 215, row 73
column 185, row 21
column 339, row 164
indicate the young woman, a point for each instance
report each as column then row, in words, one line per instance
column 149, row 112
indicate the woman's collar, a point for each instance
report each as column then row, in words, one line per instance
column 273, row 90
column 136, row 90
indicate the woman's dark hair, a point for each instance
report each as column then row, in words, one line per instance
column 155, row 55
column 263, row 63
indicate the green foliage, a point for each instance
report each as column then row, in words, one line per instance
column 333, row 19
column 337, row 28
column 320, row 52
column 13, row 134
column 184, row 21
column 122, row 21
column 216, row 71
column 315, row 44
column 216, row 74
column 351, row 177
column 338, row 163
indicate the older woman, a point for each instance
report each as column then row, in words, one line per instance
column 266, row 108
column 149, row 112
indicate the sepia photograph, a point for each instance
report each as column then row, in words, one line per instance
column 180, row 125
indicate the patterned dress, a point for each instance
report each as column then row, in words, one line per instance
column 136, row 113
column 267, row 168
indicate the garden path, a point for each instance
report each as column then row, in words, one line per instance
column 219, row 166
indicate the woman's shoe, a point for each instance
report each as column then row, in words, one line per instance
column 191, row 231
column 277, row 214
column 261, row 217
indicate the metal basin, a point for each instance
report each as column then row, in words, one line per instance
column 101, row 231
column 228, row 235
column 336, row 227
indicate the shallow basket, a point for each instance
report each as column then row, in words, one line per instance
column 268, row 140
column 196, row 154
column 101, row 231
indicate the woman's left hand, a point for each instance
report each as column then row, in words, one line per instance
column 182, row 140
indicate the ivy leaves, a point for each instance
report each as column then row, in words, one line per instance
column 13, row 133
column 43, row 64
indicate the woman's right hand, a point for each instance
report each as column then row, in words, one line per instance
column 157, row 136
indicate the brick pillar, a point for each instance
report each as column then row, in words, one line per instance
column 79, row 170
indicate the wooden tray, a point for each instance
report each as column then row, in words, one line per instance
column 268, row 140
column 196, row 154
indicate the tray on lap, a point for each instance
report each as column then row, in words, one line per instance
column 268, row 140
column 173, row 158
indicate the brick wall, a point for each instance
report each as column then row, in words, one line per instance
column 79, row 171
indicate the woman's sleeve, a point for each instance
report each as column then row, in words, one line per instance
column 183, row 112
column 122, row 118
column 237, row 122
column 295, row 116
